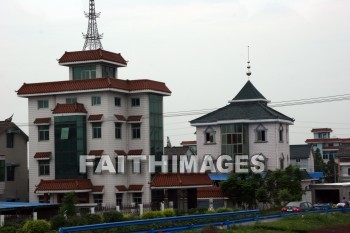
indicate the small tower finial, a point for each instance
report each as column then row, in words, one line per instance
column 248, row 66
column 92, row 38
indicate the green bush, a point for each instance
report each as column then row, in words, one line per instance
column 221, row 210
column 179, row 212
column 76, row 221
column 169, row 212
column 152, row 214
column 129, row 217
column 36, row 226
column 8, row 229
column 197, row 211
column 58, row 221
column 93, row 218
column 112, row 216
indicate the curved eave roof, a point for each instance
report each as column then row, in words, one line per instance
column 71, row 86
column 244, row 112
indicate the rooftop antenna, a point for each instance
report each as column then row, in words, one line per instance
column 248, row 66
column 92, row 38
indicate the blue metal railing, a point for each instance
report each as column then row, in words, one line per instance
column 226, row 223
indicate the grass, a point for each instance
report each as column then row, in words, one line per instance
column 295, row 224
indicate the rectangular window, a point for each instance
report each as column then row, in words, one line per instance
column 118, row 130
column 348, row 171
column 108, row 71
column 117, row 101
column 136, row 130
column 44, row 167
column 137, row 198
column 96, row 130
column 325, row 156
column 210, row 137
column 281, row 133
column 261, row 136
column 43, row 132
column 98, row 198
column 136, row 167
column 84, row 72
column 2, row 170
column 119, row 199
column 43, row 104
column 10, row 140
column 10, row 173
column 297, row 160
column 95, row 100
column 71, row 100
column 135, row 102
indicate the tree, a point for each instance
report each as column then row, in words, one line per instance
column 318, row 161
column 68, row 206
column 331, row 171
column 262, row 196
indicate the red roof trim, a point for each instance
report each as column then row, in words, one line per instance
column 135, row 152
column 120, row 152
column 64, row 185
column 46, row 120
column 42, row 155
column 179, row 179
column 186, row 143
column 121, row 188
column 134, row 118
column 135, row 187
column 91, row 55
column 327, row 140
column 318, row 130
column 97, row 117
column 97, row 188
column 211, row 192
column 69, row 108
column 96, row 152
column 92, row 84
column 120, row 117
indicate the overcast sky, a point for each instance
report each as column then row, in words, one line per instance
column 298, row 49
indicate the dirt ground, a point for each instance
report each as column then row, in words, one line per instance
column 341, row 229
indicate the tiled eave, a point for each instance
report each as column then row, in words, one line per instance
column 243, row 121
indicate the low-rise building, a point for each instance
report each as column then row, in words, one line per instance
column 302, row 157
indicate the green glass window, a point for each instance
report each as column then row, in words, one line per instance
column 234, row 139
column 43, row 132
column 118, row 130
column 84, row 72
column 96, row 130
column 2, row 170
column 43, row 104
column 71, row 100
column 44, row 167
column 108, row 71
column 95, row 100
column 136, row 130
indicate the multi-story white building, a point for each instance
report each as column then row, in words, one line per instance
column 246, row 126
column 92, row 113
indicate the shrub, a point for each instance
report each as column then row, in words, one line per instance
column 76, row 221
column 179, row 212
column 36, row 226
column 112, row 216
column 58, row 221
column 221, row 210
column 197, row 211
column 152, row 214
column 169, row 212
column 129, row 217
column 8, row 229
column 93, row 218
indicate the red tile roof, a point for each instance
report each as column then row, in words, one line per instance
column 135, row 152
column 69, row 108
column 135, row 187
column 120, row 152
column 92, row 84
column 180, row 180
column 186, row 143
column 64, row 185
column 96, row 152
column 317, row 130
column 120, row 117
column 97, row 188
column 134, row 118
column 97, row 117
column 121, row 188
column 330, row 148
column 91, row 55
column 46, row 120
column 42, row 155
column 328, row 140
column 210, row 192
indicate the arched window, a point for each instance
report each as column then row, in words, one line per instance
column 261, row 134
column 209, row 134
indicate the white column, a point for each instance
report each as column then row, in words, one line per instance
column 2, row 220
column 35, row 215
column 141, row 209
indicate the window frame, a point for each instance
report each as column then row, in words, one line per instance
column 10, row 140
column 71, row 100
column 117, row 101
column 45, row 165
column 96, row 100
column 10, row 173
column 43, row 104
column 117, row 130
column 119, row 199
column 2, row 170
column 43, row 133
column 137, row 198
column 98, row 198
column 135, row 102
column 136, row 130
column 280, row 133
column 96, row 128
column 260, row 134
column 210, row 134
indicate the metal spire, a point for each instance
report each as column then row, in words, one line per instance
column 92, row 38
column 248, row 66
